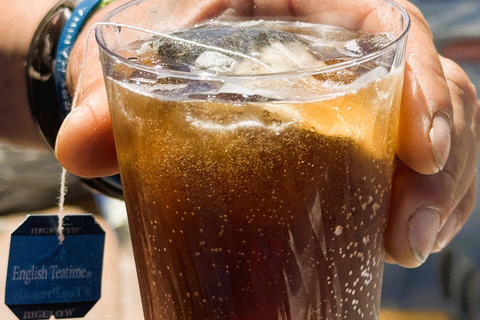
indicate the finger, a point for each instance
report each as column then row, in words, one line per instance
column 421, row 204
column 461, row 164
column 85, row 145
column 466, row 139
column 426, row 114
column 457, row 218
column 464, row 92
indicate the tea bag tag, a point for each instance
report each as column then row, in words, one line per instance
column 51, row 278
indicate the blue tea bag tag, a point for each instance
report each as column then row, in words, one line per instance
column 48, row 278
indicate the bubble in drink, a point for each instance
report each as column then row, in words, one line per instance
column 258, row 199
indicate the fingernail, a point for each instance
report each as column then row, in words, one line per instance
column 446, row 232
column 440, row 138
column 423, row 228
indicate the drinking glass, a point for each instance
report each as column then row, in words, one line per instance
column 256, row 146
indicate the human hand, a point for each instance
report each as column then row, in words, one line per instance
column 434, row 184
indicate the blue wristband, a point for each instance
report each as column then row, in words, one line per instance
column 67, row 38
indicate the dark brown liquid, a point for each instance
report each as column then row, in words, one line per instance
column 240, row 218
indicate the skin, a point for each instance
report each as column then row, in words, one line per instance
column 16, row 123
column 434, row 186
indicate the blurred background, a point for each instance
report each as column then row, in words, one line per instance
column 446, row 287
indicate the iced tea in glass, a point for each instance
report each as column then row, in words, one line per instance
column 256, row 155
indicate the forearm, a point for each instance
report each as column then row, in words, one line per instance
column 19, row 21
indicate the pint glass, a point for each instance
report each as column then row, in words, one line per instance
column 256, row 146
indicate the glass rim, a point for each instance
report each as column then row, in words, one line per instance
column 263, row 76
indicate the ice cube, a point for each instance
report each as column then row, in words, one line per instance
column 215, row 61
column 342, row 44
column 179, row 88
column 342, row 76
column 279, row 57
column 370, row 42
column 352, row 49
column 330, row 42
column 148, row 56
column 373, row 75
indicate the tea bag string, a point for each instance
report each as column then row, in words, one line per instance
column 61, row 204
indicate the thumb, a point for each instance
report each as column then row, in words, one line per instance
column 85, row 145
